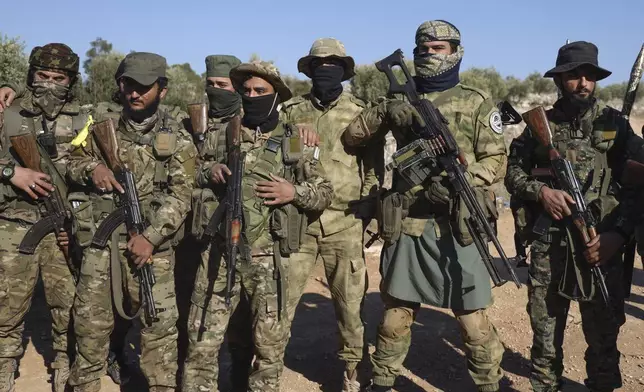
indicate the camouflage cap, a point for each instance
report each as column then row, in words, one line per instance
column 55, row 56
column 327, row 47
column 145, row 68
column 264, row 70
column 437, row 30
column 219, row 65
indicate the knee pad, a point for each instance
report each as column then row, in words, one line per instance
column 476, row 329
column 396, row 322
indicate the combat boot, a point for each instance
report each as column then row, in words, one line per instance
column 351, row 383
column 8, row 367
column 61, row 372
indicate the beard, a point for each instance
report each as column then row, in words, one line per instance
column 576, row 100
column 140, row 114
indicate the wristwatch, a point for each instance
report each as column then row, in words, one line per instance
column 8, row 171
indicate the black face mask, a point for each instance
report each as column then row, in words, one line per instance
column 223, row 103
column 261, row 112
column 327, row 82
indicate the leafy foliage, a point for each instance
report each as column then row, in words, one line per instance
column 13, row 60
column 185, row 86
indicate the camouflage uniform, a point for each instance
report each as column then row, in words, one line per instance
column 258, row 279
column 558, row 271
column 334, row 235
column 426, row 264
column 19, row 272
column 164, row 184
column 203, row 370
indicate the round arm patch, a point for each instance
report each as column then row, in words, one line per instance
column 495, row 122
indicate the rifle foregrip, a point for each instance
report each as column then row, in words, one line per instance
column 35, row 235
column 107, row 227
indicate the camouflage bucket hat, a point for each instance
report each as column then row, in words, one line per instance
column 264, row 70
column 437, row 30
column 55, row 56
column 219, row 65
column 327, row 47
column 145, row 68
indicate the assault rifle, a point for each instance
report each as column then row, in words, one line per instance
column 128, row 210
column 233, row 206
column 436, row 151
column 566, row 180
column 56, row 216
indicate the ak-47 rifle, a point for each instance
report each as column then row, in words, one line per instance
column 437, row 151
column 57, row 217
column 233, row 206
column 629, row 99
column 128, row 209
column 566, row 180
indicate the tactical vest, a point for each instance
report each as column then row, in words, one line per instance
column 17, row 205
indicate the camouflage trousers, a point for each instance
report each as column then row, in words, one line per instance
column 201, row 368
column 346, row 273
column 18, row 277
column 94, row 320
column 254, row 314
column 483, row 346
column 548, row 313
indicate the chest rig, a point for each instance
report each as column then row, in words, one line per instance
column 585, row 143
column 286, row 223
column 162, row 141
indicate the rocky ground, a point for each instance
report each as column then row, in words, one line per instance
column 435, row 361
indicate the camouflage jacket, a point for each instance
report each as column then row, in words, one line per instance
column 313, row 192
column 474, row 121
column 23, row 117
column 601, row 134
column 342, row 165
column 164, row 195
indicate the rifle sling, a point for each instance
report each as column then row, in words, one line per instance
column 117, row 279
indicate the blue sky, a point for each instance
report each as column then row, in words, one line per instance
column 516, row 37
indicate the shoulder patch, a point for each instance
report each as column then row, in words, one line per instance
column 358, row 101
column 496, row 123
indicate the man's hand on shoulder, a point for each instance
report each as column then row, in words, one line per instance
column 7, row 95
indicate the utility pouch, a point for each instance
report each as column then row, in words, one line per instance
column 487, row 201
column 389, row 213
column 204, row 204
column 286, row 226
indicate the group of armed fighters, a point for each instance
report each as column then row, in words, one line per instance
column 251, row 188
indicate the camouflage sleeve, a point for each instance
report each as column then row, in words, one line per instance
column 176, row 203
column 369, row 126
column 517, row 180
column 203, row 171
column 81, row 163
column 18, row 88
column 314, row 192
column 489, row 146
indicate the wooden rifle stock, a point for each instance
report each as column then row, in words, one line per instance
column 198, row 113
column 25, row 146
column 537, row 121
column 105, row 137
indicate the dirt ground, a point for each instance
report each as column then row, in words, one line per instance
column 435, row 361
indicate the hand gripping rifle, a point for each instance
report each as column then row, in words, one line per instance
column 566, row 180
column 627, row 106
column 128, row 209
column 438, row 151
column 57, row 217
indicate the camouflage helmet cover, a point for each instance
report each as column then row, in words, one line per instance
column 55, row 56
column 327, row 47
column 264, row 70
